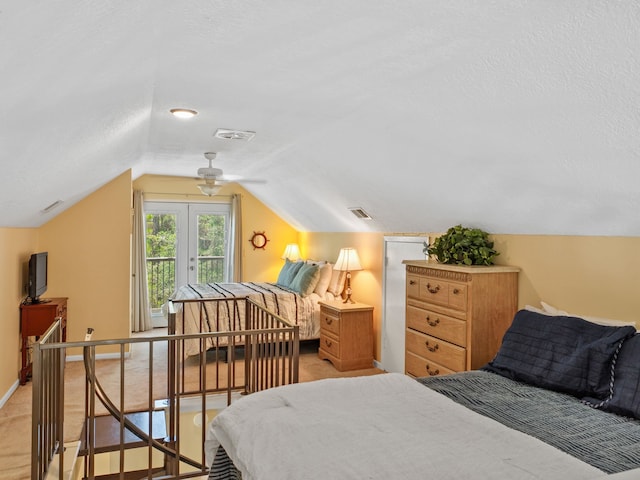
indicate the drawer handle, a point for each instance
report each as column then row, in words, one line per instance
column 412, row 282
column 430, row 348
column 432, row 372
column 431, row 289
column 328, row 320
column 456, row 291
column 433, row 323
column 328, row 343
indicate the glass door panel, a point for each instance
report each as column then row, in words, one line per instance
column 208, row 242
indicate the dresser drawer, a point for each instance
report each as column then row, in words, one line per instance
column 437, row 350
column 448, row 294
column 438, row 325
column 421, row 367
column 330, row 345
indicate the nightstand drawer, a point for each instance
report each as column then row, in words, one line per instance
column 330, row 345
column 437, row 350
column 417, row 366
column 329, row 322
column 438, row 325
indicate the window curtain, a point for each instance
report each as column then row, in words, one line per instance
column 141, row 313
column 235, row 252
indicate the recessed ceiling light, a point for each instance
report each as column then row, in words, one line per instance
column 183, row 112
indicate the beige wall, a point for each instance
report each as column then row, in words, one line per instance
column 596, row 276
column 16, row 245
column 89, row 250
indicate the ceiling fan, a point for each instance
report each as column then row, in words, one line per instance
column 214, row 178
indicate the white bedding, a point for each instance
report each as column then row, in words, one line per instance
column 302, row 311
column 378, row 427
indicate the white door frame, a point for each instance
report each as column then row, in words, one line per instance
column 392, row 333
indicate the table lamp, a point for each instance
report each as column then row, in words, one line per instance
column 348, row 261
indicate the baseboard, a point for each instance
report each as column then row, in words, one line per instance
column 7, row 395
column 99, row 356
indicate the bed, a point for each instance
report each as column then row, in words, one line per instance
column 294, row 297
column 561, row 399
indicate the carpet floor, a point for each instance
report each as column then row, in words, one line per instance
column 15, row 415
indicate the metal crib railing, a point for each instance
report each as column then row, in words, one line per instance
column 147, row 418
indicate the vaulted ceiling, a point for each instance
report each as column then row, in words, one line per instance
column 514, row 116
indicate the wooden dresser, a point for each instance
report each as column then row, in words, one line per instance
column 35, row 320
column 456, row 316
column 346, row 335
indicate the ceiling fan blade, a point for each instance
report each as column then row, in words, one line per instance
column 240, row 179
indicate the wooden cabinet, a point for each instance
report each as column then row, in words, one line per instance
column 456, row 316
column 35, row 319
column 346, row 335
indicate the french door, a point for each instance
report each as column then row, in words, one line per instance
column 185, row 243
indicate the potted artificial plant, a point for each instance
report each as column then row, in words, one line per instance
column 463, row 246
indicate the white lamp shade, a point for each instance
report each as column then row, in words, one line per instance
column 209, row 189
column 348, row 260
column 291, row 252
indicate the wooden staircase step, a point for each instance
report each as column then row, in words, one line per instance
column 107, row 431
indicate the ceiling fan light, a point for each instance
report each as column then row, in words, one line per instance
column 209, row 189
column 183, row 112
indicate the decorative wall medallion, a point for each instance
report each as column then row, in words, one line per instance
column 259, row 240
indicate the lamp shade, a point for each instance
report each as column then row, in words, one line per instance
column 291, row 252
column 209, row 189
column 348, row 260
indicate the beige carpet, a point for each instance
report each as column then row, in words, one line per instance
column 15, row 416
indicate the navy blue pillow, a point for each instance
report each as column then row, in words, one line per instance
column 626, row 386
column 565, row 354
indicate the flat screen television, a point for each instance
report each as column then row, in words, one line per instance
column 37, row 276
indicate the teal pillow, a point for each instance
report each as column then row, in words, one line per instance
column 306, row 279
column 288, row 273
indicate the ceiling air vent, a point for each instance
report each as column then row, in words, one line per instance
column 229, row 134
column 360, row 213
column 52, row 206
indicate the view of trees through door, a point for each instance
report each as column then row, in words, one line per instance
column 185, row 243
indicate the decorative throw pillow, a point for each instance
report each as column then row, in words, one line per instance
column 626, row 386
column 325, row 278
column 336, row 285
column 566, row 354
column 306, row 279
column 288, row 273
column 550, row 310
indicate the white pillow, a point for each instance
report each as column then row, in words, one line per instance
column 553, row 311
column 325, row 279
column 336, row 285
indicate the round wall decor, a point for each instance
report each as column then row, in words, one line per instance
column 259, row 240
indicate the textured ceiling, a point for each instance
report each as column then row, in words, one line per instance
column 514, row 116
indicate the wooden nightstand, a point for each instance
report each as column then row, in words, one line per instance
column 346, row 335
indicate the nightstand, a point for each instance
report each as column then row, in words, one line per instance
column 346, row 335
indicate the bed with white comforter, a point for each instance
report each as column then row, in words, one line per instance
column 380, row 427
column 560, row 400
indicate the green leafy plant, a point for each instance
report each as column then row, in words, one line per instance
column 464, row 246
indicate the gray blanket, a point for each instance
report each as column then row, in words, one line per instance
column 607, row 441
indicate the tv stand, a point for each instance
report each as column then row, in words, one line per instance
column 38, row 301
column 35, row 320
